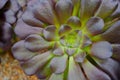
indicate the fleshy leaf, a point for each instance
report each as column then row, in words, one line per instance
column 2, row 3
column 64, row 29
column 14, row 6
column 33, row 65
column 42, row 10
column 70, row 51
column 112, row 34
column 56, row 77
column 75, row 72
column 80, row 57
column 49, row 32
column 10, row 16
column 86, row 41
column 58, row 51
column 102, row 49
column 29, row 18
column 64, row 8
column 5, row 36
column 20, row 52
column 58, row 64
column 110, row 66
column 35, row 42
column 93, row 73
column 88, row 8
column 95, row 25
column 106, row 8
column 7, row 31
column 22, row 3
column 22, row 30
column 116, row 12
column 74, row 22
column 44, row 72
column 116, row 51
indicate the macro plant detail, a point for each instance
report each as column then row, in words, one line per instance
column 69, row 39
column 8, row 9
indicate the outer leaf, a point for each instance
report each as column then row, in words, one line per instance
column 112, row 34
column 102, row 50
column 94, row 73
column 75, row 72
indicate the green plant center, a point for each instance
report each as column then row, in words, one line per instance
column 71, row 40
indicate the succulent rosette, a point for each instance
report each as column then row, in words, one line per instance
column 10, row 10
column 70, row 39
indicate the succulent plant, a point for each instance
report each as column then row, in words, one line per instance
column 70, row 39
column 9, row 12
column 5, row 27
